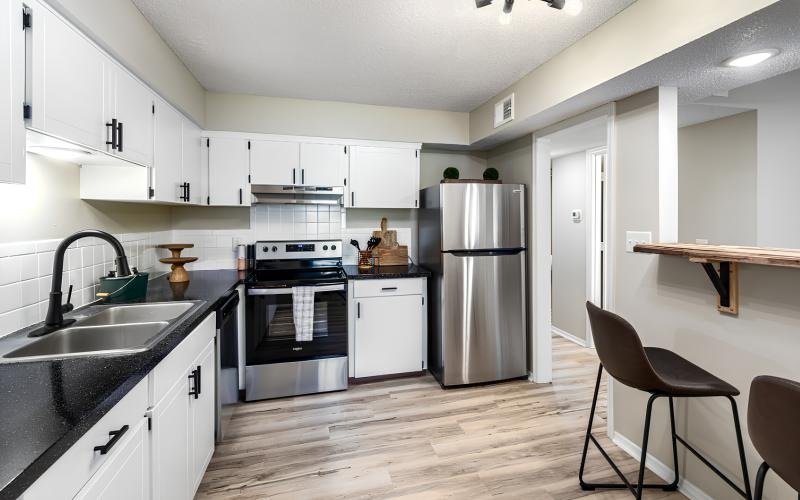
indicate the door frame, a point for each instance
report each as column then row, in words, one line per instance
column 541, row 280
column 596, row 231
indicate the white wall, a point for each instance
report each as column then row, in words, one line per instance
column 569, row 244
column 717, row 181
column 672, row 305
column 278, row 115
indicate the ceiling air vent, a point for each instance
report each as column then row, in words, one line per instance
column 504, row 111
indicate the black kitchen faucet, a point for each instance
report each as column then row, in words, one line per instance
column 55, row 310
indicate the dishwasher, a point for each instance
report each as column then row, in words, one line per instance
column 227, row 354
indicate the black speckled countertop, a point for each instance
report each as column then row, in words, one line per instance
column 46, row 406
column 386, row 272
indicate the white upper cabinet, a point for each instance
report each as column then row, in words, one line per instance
column 67, row 82
column 275, row 163
column 129, row 108
column 383, row 177
column 323, row 164
column 192, row 165
column 12, row 93
column 166, row 176
column 228, row 165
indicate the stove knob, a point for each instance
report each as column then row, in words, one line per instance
column 324, row 247
column 274, row 249
column 333, row 247
column 266, row 249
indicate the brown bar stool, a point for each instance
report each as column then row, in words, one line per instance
column 773, row 419
column 663, row 374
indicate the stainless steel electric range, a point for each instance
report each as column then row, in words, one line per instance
column 276, row 364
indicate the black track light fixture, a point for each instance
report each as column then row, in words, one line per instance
column 572, row 7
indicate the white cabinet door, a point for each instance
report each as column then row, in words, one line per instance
column 126, row 476
column 228, row 168
column 388, row 335
column 323, row 164
column 12, row 93
column 130, row 103
column 192, row 165
column 168, row 146
column 201, row 413
column 275, row 163
column 68, row 76
column 384, row 177
column 170, row 445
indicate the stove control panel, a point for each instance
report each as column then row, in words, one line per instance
column 293, row 250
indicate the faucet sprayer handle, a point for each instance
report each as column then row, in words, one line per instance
column 68, row 306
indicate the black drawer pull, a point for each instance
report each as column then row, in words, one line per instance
column 115, row 436
column 119, row 137
column 113, row 141
column 389, row 289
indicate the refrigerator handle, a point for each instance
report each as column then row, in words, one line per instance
column 486, row 253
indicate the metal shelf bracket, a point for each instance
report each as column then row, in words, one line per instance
column 725, row 279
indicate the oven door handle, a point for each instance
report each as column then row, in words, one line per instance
column 287, row 291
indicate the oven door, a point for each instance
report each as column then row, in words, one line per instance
column 270, row 332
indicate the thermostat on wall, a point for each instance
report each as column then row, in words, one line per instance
column 576, row 215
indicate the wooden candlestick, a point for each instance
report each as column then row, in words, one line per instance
column 178, row 274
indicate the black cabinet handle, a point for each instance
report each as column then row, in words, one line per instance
column 199, row 382
column 119, row 137
column 302, row 176
column 185, row 190
column 115, row 436
column 352, row 198
column 240, row 196
column 294, row 176
column 188, row 191
column 389, row 289
column 113, row 141
column 358, row 309
column 195, row 376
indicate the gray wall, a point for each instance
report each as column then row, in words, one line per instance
column 569, row 244
column 672, row 305
column 717, row 181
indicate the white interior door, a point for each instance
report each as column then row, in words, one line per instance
column 322, row 164
column 275, row 163
column 167, row 153
column 228, row 167
column 68, row 82
column 388, row 335
column 131, row 105
column 384, row 177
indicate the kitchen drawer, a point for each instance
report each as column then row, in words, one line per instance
column 381, row 288
column 176, row 365
column 75, row 467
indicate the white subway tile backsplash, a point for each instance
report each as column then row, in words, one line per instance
column 26, row 267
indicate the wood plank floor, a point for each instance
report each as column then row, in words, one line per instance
column 409, row 438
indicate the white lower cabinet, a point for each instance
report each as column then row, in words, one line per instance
column 388, row 331
column 126, row 475
column 155, row 443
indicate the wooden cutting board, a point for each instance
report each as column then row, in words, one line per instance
column 389, row 252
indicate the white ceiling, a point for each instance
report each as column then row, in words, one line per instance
column 433, row 54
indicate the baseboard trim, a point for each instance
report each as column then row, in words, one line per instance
column 659, row 468
column 568, row 336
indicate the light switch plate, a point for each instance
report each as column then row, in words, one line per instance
column 633, row 238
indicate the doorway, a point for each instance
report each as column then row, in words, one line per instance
column 572, row 193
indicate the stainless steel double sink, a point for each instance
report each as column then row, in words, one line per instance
column 111, row 330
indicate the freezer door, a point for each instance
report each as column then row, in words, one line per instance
column 483, row 318
column 482, row 216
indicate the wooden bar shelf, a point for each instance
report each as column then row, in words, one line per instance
column 720, row 262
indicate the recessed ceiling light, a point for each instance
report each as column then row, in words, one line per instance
column 751, row 59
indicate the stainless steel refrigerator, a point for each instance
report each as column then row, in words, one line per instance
column 472, row 237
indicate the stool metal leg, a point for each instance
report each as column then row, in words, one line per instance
column 648, row 415
column 745, row 475
column 762, row 473
column 583, row 484
column 674, row 485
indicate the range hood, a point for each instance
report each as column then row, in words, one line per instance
column 298, row 195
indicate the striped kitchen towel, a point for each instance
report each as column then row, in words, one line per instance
column 303, row 309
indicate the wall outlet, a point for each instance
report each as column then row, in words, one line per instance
column 633, row 238
column 701, row 241
column 576, row 215
column 236, row 242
